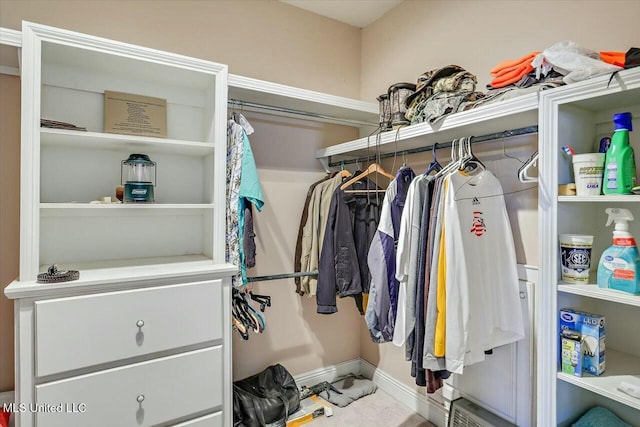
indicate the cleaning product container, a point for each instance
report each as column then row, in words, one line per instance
column 620, row 164
column 619, row 266
column 588, row 170
column 575, row 257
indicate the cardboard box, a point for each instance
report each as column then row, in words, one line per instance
column 591, row 328
column 310, row 408
column 129, row 114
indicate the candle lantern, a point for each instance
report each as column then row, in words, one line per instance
column 398, row 94
column 385, row 111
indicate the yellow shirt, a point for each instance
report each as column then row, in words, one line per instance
column 439, row 344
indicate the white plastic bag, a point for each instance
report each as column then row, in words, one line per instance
column 575, row 63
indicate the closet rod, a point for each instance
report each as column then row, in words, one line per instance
column 282, row 276
column 284, row 110
column 474, row 139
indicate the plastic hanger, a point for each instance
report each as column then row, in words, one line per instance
column 470, row 162
column 238, row 326
column 263, row 300
column 434, row 165
column 455, row 159
column 523, row 175
column 373, row 167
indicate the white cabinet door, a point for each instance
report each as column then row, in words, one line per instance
column 142, row 394
column 87, row 330
column 502, row 383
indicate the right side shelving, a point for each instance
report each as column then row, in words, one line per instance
column 579, row 115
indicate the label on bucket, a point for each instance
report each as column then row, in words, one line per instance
column 576, row 261
column 588, row 170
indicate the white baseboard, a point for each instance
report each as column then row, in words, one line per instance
column 415, row 401
column 328, row 373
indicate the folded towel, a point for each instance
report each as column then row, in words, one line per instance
column 599, row 417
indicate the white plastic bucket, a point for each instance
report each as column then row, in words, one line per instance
column 575, row 257
column 588, row 170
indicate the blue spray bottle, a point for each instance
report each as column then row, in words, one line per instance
column 620, row 264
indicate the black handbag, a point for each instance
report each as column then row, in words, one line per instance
column 265, row 399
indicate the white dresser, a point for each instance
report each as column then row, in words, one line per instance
column 143, row 338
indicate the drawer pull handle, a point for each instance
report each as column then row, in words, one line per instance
column 140, row 398
column 140, row 324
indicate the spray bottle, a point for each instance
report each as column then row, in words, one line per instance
column 619, row 265
column 620, row 164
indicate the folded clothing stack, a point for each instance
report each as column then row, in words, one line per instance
column 512, row 70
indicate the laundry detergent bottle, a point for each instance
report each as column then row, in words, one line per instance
column 620, row 264
column 619, row 164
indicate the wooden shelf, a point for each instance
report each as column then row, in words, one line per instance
column 500, row 116
column 593, row 291
column 619, row 367
column 113, row 141
column 288, row 97
column 601, row 199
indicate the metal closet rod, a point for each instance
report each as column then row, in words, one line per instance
column 297, row 112
column 282, row 276
column 474, row 139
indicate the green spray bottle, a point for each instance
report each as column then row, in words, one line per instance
column 620, row 164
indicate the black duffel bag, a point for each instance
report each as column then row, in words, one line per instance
column 265, row 399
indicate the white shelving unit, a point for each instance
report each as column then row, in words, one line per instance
column 579, row 115
column 65, row 76
column 151, row 275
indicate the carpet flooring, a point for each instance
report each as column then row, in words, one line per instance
column 376, row 410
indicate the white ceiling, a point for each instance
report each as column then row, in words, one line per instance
column 358, row 13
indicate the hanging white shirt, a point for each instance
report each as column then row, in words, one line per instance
column 407, row 259
column 483, row 305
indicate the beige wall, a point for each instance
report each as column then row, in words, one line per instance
column 296, row 335
column 420, row 35
column 9, row 215
column 267, row 40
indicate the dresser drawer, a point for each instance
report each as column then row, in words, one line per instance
column 214, row 420
column 142, row 394
column 87, row 330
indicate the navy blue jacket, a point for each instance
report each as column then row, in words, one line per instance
column 351, row 225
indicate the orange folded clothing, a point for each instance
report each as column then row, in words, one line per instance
column 513, row 63
column 613, row 58
column 511, row 77
column 511, row 70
